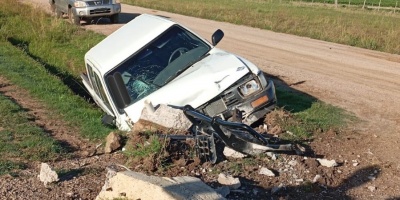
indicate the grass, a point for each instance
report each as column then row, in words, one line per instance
column 44, row 55
column 22, row 139
column 32, row 76
column 365, row 29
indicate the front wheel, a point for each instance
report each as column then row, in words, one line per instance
column 58, row 12
column 73, row 18
column 114, row 18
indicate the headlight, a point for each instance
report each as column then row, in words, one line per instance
column 79, row 4
column 249, row 88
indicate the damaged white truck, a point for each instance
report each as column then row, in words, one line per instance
column 153, row 59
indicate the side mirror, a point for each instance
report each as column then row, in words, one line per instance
column 118, row 90
column 217, row 37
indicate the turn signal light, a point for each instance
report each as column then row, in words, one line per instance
column 259, row 101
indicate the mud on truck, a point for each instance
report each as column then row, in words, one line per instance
column 153, row 59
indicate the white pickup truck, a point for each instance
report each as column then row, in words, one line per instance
column 153, row 59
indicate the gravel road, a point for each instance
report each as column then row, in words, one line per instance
column 361, row 81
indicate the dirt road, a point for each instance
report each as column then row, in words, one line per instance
column 361, row 81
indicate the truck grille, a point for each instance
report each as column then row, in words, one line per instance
column 100, row 10
column 98, row 2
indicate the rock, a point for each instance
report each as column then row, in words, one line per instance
column 223, row 191
column 276, row 189
column 228, row 180
column 327, row 163
column 293, row 163
column 372, row 188
column 355, row 164
column 113, row 142
column 271, row 155
column 266, row 171
column 134, row 185
column 316, row 178
column 228, row 152
column 166, row 116
column 47, row 175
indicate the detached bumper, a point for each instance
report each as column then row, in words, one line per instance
column 97, row 11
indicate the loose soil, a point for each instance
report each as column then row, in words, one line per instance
column 363, row 82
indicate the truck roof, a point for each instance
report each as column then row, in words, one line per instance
column 126, row 40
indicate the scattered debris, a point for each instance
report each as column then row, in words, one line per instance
column 47, row 175
column 315, row 179
column 113, row 142
column 371, row 177
column 223, row 191
column 327, row 163
column 293, row 163
column 267, row 172
column 372, row 188
column 228, row 152
column 229, row 180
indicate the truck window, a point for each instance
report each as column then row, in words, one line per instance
column 97, row 86
column 160, row 61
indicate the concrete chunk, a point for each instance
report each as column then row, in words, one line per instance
column 228, row 180
column 47, row 175
column 327, row 163
column 166, row 116
column 140, row 186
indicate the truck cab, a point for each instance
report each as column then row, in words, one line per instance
column 153, row 59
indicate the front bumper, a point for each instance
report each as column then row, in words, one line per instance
column 251, row 108
column 97, row 11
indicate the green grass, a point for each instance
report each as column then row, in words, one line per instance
column 387, row 3
column 34, row 77
column 319, row 118
column 44, row 55
column 22, row 139
column 153, row 147
column 365, row 29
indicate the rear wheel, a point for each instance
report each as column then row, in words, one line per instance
column 114, row 18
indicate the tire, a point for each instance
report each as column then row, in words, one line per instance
column 114, row 18
column 73, row 19
column 58, row 12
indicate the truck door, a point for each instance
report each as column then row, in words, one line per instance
column 93, row 83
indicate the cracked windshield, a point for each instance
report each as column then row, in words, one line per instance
column 161, row 61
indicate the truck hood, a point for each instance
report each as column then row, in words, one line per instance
column 198, row 84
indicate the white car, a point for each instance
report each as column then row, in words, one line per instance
column 156, row 60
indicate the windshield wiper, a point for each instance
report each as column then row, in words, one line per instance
column 177, row 73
